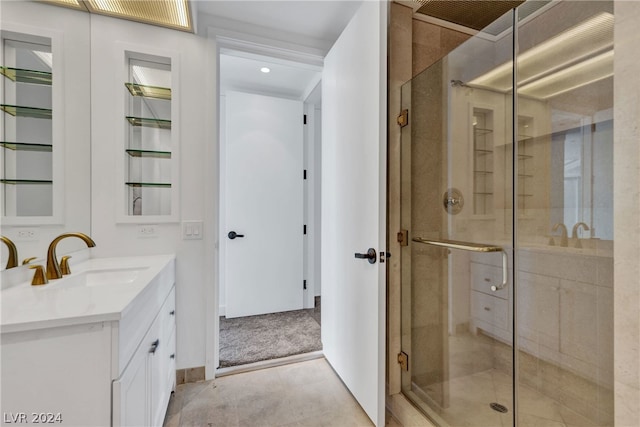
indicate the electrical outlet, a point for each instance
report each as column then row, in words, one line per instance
column 27, row 235
column 147, row 230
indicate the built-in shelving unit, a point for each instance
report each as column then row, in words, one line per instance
column 148, row 149
column 27, row 131
column 525, row 186
column 483, row 159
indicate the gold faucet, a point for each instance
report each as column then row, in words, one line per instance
column 13, row 252
column 574, row 233
column 564, row 241
column 53, row 268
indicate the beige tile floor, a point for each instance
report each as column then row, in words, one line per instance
column 301, row 394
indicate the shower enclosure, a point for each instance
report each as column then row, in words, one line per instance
column 506, row 199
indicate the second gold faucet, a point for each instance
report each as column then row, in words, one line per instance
column 53, row 267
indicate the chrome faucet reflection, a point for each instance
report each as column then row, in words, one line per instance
column 564, row 241
column 12, row 260
column 574, row 232
column 53, row 268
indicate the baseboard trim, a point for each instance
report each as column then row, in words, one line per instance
column 221, row 372
column 190, row 375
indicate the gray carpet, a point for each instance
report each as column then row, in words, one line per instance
column 269, row 336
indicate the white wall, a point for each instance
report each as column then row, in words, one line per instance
column 69, row 31
column 197, row 188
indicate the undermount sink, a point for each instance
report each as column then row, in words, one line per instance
column 106, row 277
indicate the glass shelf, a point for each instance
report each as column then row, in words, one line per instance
column 525, row 156
column 483, row 194
column 149, row 91
column 21, row 75
column 149, row 153
column 25, row 181
column 148, row 184
column 152, row 123
column 522, row 175
column 481, row 131
column 18, row 111
column 23, row 146
column 483, row 151
column 483, row 172
column 525, row 195
column 522, row 138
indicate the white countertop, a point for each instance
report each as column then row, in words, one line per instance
column 65, row 302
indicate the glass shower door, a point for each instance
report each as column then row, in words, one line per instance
column 507, row 275
column 457, row 208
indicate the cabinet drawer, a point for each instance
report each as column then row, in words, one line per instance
column 490, row 309
column 484, row 276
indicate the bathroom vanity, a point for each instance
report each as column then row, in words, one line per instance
column 94, row 348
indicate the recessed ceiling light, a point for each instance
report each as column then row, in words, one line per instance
column 265, row 70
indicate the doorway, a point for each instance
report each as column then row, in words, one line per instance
column 269, row 294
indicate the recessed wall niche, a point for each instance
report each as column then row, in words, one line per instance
column 149, row 148
column 27, row 142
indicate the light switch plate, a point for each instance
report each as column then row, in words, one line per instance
column 192, row 230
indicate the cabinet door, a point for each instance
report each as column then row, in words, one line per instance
column 131, row 392
column 162, row 362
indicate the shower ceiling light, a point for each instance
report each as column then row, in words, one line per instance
column 581, row 74
column 166, row 13
column 265, row 70
column 567, row 48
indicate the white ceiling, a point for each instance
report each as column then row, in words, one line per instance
column 317, row 19
column 241, row 72
column 314, row 23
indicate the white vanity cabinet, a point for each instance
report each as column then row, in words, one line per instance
column 96, row 355
column 141, row 393
column 490, row 310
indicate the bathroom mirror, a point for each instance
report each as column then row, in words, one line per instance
column 45, row 126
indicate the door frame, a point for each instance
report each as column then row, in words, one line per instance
column 218, row 40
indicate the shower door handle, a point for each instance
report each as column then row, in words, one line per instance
column 473, row 247
column 370, row 255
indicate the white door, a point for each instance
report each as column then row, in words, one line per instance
column 263, row 204
column 353, row 206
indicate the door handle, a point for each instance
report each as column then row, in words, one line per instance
column 232, row 235
column 474, row 247
column 370, row 255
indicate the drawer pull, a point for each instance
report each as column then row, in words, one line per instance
column 486, row 279
column 173, row 356
column 487, row 309
column 172, row 312
column 154, row 346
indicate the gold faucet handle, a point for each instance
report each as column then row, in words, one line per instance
column 28, row 260
column 64, row 265
column 39, row 278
